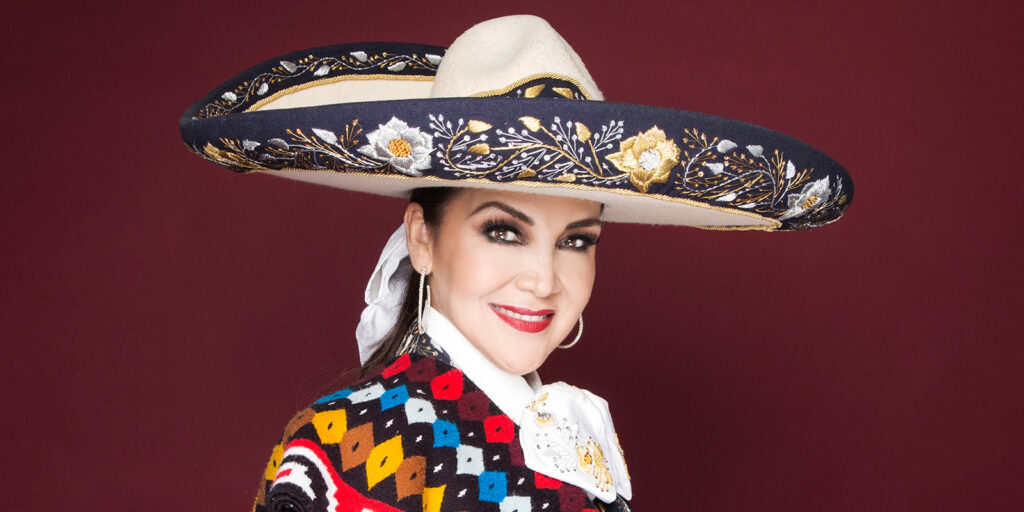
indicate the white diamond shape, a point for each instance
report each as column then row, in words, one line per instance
column 418, row 410
column 366, row 394
column 471, row 460
column 515, row 504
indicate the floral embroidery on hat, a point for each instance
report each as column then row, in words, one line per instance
column 691, row 165
column 290, row 71
column 812, row 197
column 648, row 158
column 404, row 148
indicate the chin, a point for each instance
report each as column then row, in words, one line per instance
column 533, row 351
column 519, row 367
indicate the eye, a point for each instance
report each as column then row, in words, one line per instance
column 579, row 242
column 501, row 233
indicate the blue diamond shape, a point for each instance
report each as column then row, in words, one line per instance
column 493, row 486
column 446, row 434
column 393, row 397
column 337, row 395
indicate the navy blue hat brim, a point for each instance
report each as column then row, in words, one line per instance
column 647, row 164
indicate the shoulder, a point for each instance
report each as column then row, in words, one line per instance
column 369, row 443
column 414, row 435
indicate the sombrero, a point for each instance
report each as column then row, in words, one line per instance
column 509, row 106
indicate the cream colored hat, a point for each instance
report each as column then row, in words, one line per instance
column 508, row 106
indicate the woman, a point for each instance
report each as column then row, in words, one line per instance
column 494, row 262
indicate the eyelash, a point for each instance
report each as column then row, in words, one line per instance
column 491, row 227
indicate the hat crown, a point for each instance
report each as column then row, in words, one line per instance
column 494, row 54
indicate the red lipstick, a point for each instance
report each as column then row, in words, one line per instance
column 522, row 319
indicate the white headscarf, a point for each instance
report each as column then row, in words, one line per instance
column 384, row 294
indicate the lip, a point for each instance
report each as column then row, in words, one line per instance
column 522, row 324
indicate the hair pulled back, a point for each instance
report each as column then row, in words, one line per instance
column 433, row 201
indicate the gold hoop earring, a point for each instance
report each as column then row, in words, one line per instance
column 579, row 333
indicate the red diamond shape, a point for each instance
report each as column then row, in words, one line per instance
column 447, row 386
column 543, row 481
column 396, row 367
column 499, row 429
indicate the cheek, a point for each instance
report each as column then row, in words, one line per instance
column 477, row 269
column 578, row 276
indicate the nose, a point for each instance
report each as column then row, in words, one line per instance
column 540, row 277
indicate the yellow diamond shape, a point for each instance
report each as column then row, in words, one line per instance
column 330, row 425
column 274, row 462
column 432, row 497
column 384, row 460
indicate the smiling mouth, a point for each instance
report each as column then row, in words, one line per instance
column 522, row 319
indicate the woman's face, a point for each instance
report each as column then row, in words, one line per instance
column 513, row 271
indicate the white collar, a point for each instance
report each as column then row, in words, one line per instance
column 511, row 392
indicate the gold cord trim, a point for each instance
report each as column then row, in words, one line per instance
column 343, row 78
column 523, row 81
column 773, row 223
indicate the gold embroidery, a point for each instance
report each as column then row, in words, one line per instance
column 399, row 148
column 810, row 201
column 523, row 81
column 582, row 132
column 531, row 123
column 532, row 92
column 476, row 126
column 648, row 158
column 326, row 81
column 556, row 151
column 623, row 454
column 534, row 404
column 770, row 224
column 288, row 71
column 569, row 150
column 543, row 417
column 563, row 91
column 746, row 177
column 593, row 462
column 231, row 156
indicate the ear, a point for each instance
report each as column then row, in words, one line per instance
column 418, row 239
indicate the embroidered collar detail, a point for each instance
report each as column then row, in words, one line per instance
column 567, row 433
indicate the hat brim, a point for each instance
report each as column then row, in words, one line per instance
column 646, row 164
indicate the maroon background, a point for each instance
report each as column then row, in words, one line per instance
column 162, row 318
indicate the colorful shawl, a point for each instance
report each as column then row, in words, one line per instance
column 415, row 435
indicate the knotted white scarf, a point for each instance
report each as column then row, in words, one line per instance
column 384, row 294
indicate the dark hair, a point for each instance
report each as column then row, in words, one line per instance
column 433, row 201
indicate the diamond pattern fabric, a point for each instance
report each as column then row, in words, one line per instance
column 415, row 436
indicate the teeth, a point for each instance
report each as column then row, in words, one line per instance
column 513, row 314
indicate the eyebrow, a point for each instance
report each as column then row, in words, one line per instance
column 505, row 208
column 593, row 221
